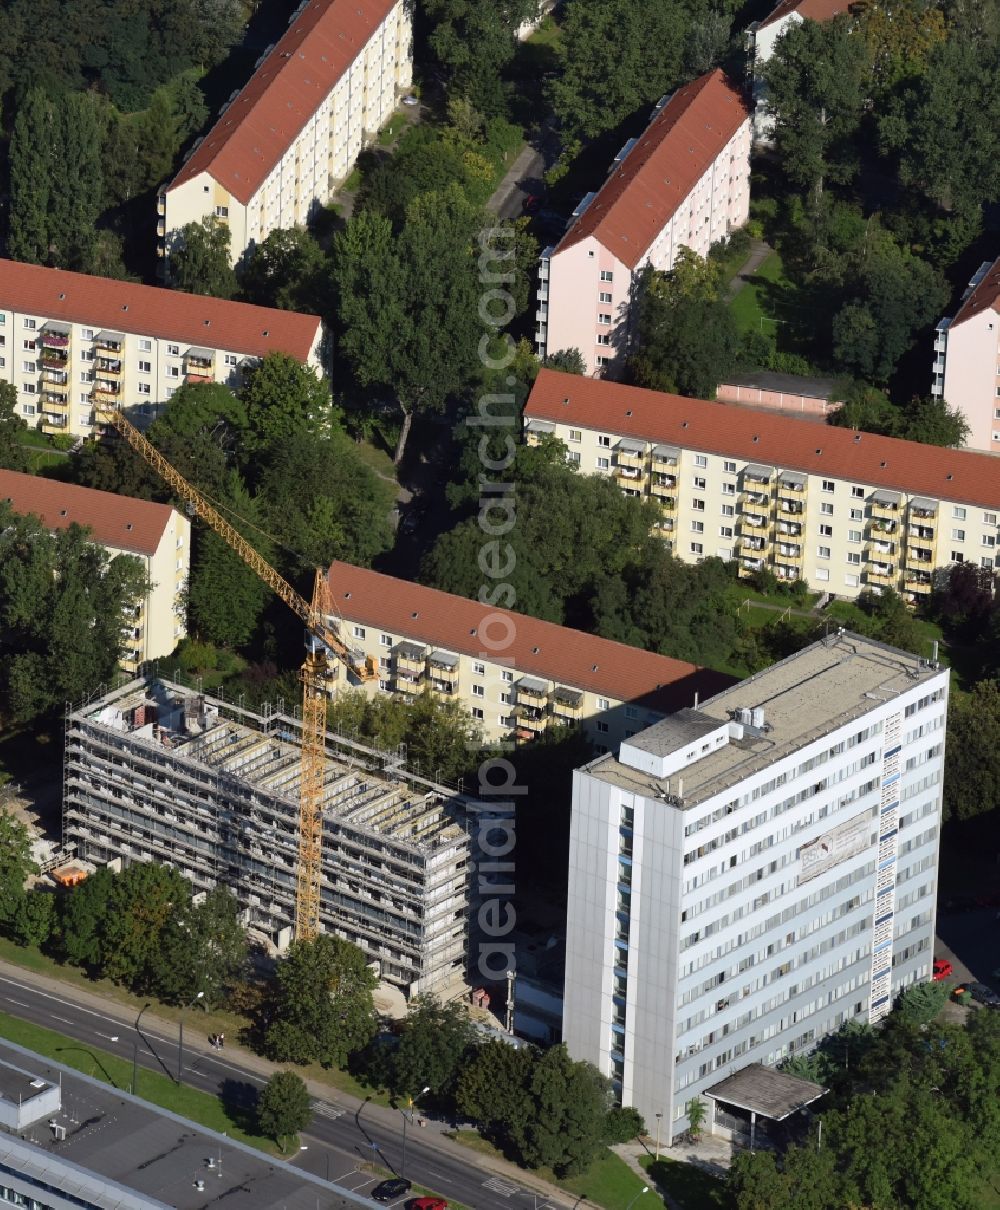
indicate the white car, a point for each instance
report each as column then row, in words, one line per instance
column 410, row 99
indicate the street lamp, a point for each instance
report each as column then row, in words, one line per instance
column 408, row 1117
column 659, row 1117
column 644, row 1189
column 180, row 1036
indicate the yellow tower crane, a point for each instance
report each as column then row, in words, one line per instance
column 314, row 674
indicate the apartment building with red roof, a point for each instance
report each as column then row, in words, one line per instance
column 516, row 675
column 966, row 370
column 284, row 142
column 840, row 509
column 684, row 182
column 70, row 342
column 156, row 534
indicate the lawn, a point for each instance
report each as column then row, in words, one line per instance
column 390, row 132
column 688, row 1186
column 750, row 307
column 375, row 457
column 159, row 1089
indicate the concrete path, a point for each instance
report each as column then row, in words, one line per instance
column 508, row 197
column 759, row 252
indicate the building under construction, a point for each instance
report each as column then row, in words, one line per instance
column 156, row 772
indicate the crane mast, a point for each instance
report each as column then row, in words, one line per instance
column 315, row 672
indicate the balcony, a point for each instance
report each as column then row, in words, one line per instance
column 923, row 510
column 755, row 520
column 53, row 423
column 788, row 506
column 881, row 573
column 665, row 456
column 108, row 367
column 881, row 525
column 106, row 390
column 535, row 430
column 792, row 528
column 753, row 542
column 663, row 487
column 919, row 583
column 789, row 552
column 55, row 358
column 629, row 477
column 567, row 704
column 55, row 378
column 532, row 719
column 55, row 336
column 885, row 506
column 56, row 398
column 199, row 365
column 630, row 454
column 161, row 203
column 757, row 474
column 532, row 693
column 111, row 344
column 919, row 557
column 879, row 552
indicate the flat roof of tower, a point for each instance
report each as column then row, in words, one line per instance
column 804, row 697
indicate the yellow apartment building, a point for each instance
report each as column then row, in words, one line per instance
column 840, row 509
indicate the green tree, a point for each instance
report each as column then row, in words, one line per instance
column 817, row 87
column 472, row 42
column 202, row 949
column 623, row 1125
column 972, row 752
column 921, row 1003
column 200, row 259
column 568, row 1108
column 288, row 269
column 81, row 920
column 569, row 361
column 696, row 1111
column 61, row 604
column 34, row 919
column 283, row 398
column 321, row 1004
column 431, row 1051
column 13, row 455
column 930, row 420
column 492, row 1088
column 145, row 901
column 200, row 433
column 15, row 865
column 284, row 1107
column 613, row 58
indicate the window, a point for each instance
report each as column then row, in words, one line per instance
column 28, row 346
column 826, row 531
column 575, row 435
column 222, row 212
column 604, row 442
column 989, row 518
column 87, row 333
column 725, row 531
column 603, row 464
column 604, row 296
column 145, row 367
column 173, row 371
column 478, row 669
column 359, row 632
column 144, row 388
column 729, row 489
column 989, row 540
column 699, row 483
column 697, row 527
column 854, row 558
column 28, row 367
column 604, row 338
column 507, row 677
column 505, row 698
column 957, row 556
column 854, row 535
column 603, row 703
column 3, row 362
column 604, row 317
column 729, row 510
column 30, row 325
column 822, row 552
column 603, row 361
column 478, row 691
column 822, row 573
column 146, row 346
column 607, row 275
column 857, row 514
column 174, row 350
column 697, row 548
column 603, row 728
column 698, row 505
column 858, row 493
column 958, row 535
column 729, row 468
column 852, row 581
column 231, row 359
column 826, row 509
column 828, row 485
column 28, row 388
column 28, row 409
column 87, row 376
column 700, row 460
column 385, row 640
column 958, row 514
column 574, row 457
column 477, row 712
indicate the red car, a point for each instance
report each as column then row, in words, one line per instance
column 427, row 1203
column 943, row 969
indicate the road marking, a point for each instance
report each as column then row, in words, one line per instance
column 65, row 1020
column 13, row 1001
column 326, row 1110
column 502, row 1187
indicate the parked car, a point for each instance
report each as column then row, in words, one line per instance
column 982, row 993
column 943, row 969
column 389, row 1190
column 532, row 203
column 427, row 1203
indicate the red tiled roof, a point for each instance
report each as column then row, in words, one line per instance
column 814, row 10
column 672, row 155
column 256, row 130
column 783, row 442
column 568, row 657
column 119, row 521
column 985, row 297
column 102, row 302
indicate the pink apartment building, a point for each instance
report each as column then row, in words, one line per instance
column 685, row 181
column 967, row 359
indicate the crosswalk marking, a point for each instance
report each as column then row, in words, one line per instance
column 501, row 1187
column 326, row 1110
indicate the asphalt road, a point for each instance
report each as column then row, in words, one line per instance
column 336, row 1144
